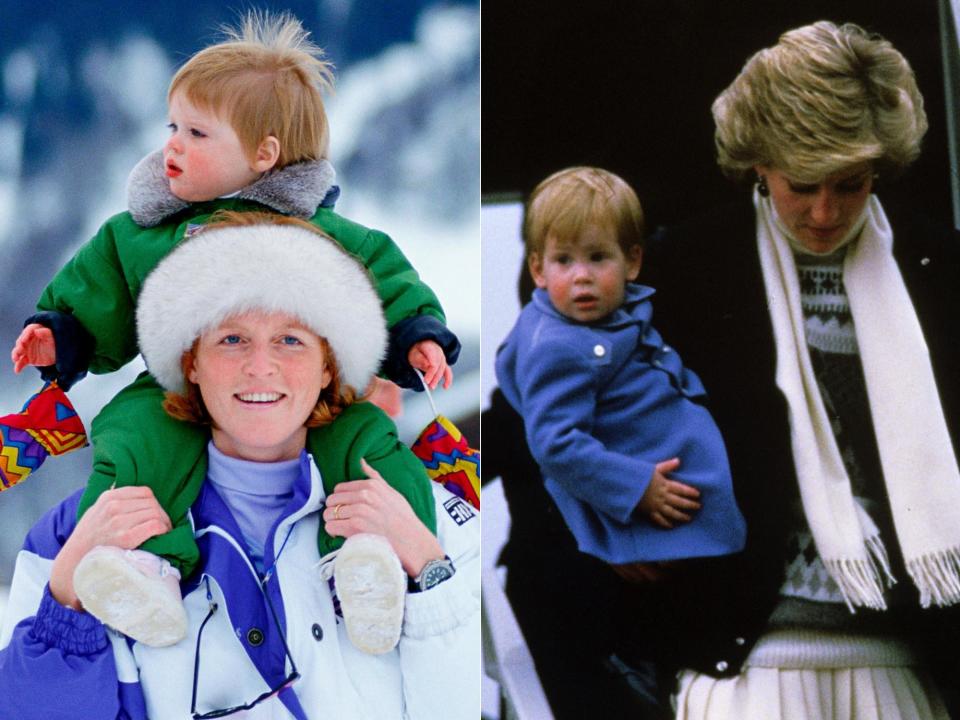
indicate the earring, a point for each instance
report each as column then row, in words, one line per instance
column 762, row 186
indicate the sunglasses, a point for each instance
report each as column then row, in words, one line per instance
column 290, row 679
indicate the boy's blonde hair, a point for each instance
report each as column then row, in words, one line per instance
column 822, row 99
column 573, row 199
column 265, row 79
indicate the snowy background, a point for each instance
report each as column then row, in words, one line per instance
column 82, row 98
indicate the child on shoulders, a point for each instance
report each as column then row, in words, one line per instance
column 248, row 133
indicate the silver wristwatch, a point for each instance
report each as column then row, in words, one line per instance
column 432, row 574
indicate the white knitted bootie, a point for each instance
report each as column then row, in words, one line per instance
column 134, row 592
column 371, row 585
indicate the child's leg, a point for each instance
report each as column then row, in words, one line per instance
column 136, row 443
column 363, row 431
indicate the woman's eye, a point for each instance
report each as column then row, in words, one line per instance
column 231, row 340
column 851, row 188
column 802, row 189
column 291, row 340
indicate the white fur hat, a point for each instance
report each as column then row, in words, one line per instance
column 223, row 271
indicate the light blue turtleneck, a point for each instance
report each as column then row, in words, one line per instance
column 255, row 492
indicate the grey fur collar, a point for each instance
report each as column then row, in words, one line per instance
column 297, row 190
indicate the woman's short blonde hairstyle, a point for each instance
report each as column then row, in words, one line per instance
column 823, row 98
column 573, row 199
column 265, row 78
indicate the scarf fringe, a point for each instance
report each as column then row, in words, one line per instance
column 859, row 583
column 878, row 554
column 937, row 576
column 862, row 581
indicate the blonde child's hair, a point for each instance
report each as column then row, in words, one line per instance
column 823, row 98
column 265, row 78
column 570, row 200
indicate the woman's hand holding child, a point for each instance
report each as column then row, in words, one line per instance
column 372, row 506
column 124, row 517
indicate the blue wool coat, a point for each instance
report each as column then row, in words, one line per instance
column 602, row 405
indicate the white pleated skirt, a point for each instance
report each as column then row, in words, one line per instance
column 761, row 693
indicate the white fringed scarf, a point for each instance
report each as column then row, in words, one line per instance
column 919, row 465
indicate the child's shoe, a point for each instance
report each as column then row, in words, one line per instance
column 371, row 585
column 134, row 592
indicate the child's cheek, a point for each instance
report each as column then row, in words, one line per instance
column 200, row 165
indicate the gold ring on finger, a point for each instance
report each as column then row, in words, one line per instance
column 336, row 511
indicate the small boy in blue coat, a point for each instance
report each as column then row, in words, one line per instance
column 613, row 418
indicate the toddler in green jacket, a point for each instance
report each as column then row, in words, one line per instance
column 248, row 132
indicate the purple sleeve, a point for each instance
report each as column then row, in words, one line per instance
column 59, row 663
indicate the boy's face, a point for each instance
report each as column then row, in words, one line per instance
column 203, row 157
column 585, row 278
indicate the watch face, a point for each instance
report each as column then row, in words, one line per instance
column 436, row 573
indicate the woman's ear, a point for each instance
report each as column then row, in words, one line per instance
column 268, row 152
column 190, row 368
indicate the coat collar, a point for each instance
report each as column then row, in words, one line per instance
column 297, row 190
column 224, row 558
column 635, row 308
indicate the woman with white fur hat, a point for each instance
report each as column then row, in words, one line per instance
column 249, row 341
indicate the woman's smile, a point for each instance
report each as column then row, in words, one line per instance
column 241, row 366
column 259, row 398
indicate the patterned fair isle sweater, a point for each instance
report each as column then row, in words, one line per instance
column 812, row 626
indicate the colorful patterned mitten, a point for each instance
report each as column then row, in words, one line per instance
column 449, row 460
column 47, row 425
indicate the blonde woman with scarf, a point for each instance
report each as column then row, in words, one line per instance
column 826, row 328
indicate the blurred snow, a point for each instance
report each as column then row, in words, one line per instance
column 11, row 158
column 20, row 77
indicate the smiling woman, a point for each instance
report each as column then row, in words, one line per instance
column 258, row 362
column 261, row 375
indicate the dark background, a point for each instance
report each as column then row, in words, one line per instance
column 628, row 86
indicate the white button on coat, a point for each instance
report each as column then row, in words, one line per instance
column 599, row 350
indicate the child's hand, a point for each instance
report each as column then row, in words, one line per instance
column 35, row 346
column 667, row 501
column 427, row 357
